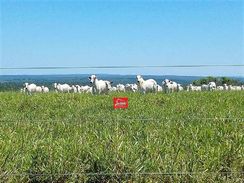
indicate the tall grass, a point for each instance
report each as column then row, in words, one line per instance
column 187, row 137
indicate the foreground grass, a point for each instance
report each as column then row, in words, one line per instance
column 73, row 137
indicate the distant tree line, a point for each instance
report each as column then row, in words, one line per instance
column 217, row 80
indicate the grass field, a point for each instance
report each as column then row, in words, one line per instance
column 80, row 138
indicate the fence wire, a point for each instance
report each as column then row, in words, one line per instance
column 122, row 174
column 120, row 119
column 121, row 67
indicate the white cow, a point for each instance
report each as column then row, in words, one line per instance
column 212, row 86
column 74, row 88
column 188, row 88
column 113, row 89
column 179, row 87
column 30, row 88
column 226, row 87
column 62, row 88
column 38, row 89
column 45, row 89
column 89, row 90
column 159, row 88
column 220, row 88
column 237, row 88
column 204, row 87
column 85, row 88
column 134, row 87
column 131, row 87
column 120, row 87
column 234, row 88
column 230, row 87
column 169, row 86
column 99, row 86
column 82, row 89
column 164, row 82
column 146, row 86
column 109, row 85
column 78, row 88
column 194, row 88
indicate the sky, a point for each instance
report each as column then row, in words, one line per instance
column 112, row 33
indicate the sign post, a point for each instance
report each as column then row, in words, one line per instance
column 120, row 102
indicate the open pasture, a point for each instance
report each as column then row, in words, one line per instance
column 178, row 137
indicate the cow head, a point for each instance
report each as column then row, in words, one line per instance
column 92, row 78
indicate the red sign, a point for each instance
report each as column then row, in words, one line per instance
column 121, row 102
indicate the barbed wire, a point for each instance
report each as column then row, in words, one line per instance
column 120, row 67
column 118, row 119
column 122, row 174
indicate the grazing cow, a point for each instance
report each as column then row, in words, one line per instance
column 179, row 87
column 120, row 88
column 62, row 88
column 234, row 88
column 230, row 87
column 220, row 88
column 131, row 87
column 78, row 88
column 30, row 88
column 205, row 87
column 113, row 89
column 38, row 89
column 85, row 88
column 74, row 88
column 194, row 88
column 237, row 88
column 82, row 89
column 45, row 89
column 89, row 90
column 159, row 88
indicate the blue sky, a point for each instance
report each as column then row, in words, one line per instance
column 91, row 33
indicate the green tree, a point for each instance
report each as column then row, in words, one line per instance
column 217, row 80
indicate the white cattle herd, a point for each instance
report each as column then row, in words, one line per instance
column 144, row 86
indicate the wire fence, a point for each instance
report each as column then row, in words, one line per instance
column 130, row 177
column 179, row 173
column 99, row 118
column 123, row 174
column 121, row 67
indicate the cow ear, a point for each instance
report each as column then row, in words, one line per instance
column 111, row 82
column 89, row 77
